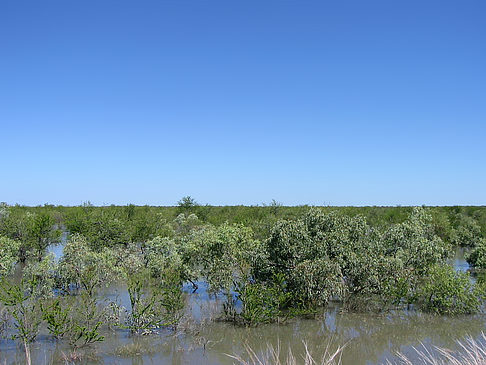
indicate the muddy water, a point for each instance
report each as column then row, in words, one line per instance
column 369, row 338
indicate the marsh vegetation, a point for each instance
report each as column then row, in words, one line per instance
column 182, row 276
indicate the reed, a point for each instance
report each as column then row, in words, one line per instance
column 273, row 355
column 471, row 352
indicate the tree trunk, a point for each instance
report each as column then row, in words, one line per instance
column 28, row 361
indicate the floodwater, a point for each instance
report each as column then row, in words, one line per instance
column 201, row 339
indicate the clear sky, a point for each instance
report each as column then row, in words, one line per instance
column 240, row 102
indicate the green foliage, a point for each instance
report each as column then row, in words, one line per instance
column 42, row 233
column 85, row 323
column 154, row 303
column 81, row 267
column 23, row 307
column 163, row 258
column 185, row 223
column 270, row 261
column 102, row 228
column 35, row 230
column 171, row 299
column 9, row 250
column 76, row 319
column 316, row 282
column 477, row 256
column 14, row 224
column 57, row 317
column 40, row 276
column 152, row 307
column 445, row 291
column 324, row 256
column 86, row 335
column 311, row 254
column 467, row 233
column 187, row 203
column 225, row 254
column 414, row 242
column 262, row 303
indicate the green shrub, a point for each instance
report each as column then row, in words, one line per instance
column 467, row 231
column 477, row 256
column 224, row 254
column 152, row 307
column 23, row 307
column 40, row 276
column 445, row 291
column 9, row 250
column 81, row 267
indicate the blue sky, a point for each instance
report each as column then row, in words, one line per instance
column 241, row 102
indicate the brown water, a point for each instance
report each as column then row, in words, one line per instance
column 370, row 338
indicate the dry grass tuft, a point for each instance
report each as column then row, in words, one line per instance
column 273, row 356
column 71, row 357
column 472, row 352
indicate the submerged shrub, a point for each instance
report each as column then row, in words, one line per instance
column 81, row 267
column 153, row 273
column 477, row 256
column 57, row 317
column 41, row 233
column 467, row 232
column 74, row 318
column 331, row 256
column 23, row 307
column 260, row 303
column 86, row 322
column 152, row 307
column 9, row 250
column 414, row 242
column 318, row 256
column 445, row 291
column 40, row 276
column 225, row 255
column 162, row 257
column 316, row 282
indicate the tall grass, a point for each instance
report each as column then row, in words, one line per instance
column 471, row 352
column 274, row 356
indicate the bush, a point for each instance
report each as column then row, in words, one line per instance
column 445, row 291
column 81, row 267
column 23, row 307
column 467, row 231
column 225, row 255
column 9, row 250
column 477, row 256
column 152, row 306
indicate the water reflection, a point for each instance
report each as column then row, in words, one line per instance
column 371, row 338
column 458, row 261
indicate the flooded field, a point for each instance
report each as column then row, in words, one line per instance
column 115, row 290
column 369, row 338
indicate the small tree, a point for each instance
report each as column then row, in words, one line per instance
column 25, row 311
column 445, row 291
column 81, row 267
column 41, row 233
column 187, row 204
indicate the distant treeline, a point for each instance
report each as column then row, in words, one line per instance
column 453, row 224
